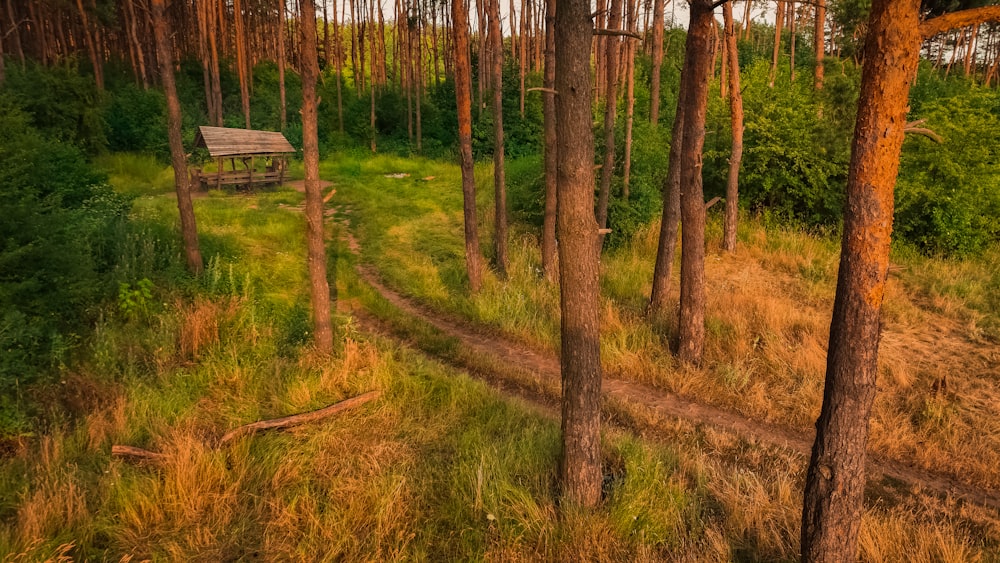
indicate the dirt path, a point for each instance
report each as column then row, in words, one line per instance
column 665, row 404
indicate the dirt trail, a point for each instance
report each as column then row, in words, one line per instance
column 665, row 404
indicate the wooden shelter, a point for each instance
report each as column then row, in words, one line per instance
column 247, row 146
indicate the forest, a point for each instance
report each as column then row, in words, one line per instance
column 602, row 280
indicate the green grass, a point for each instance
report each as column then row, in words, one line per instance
column 441, row 467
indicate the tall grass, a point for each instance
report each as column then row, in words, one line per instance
column 439, row 468
column 767, row 319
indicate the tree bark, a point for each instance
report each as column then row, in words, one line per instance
column 499, row 181
column 691, row 328
column 779, row 19
column 315, row 233
column 339, row 56
column 91, row 41
column 213, row 55
column 820, row 40
column 654, row 86
column 954, row 20
column 736, row 121
column 579, row 249
column 671, row 216
column 835, row 482
column 15, row 32
column 241, row 60
column 524, row 49
column 281, row 58
column 629, row 97
column 550, row 263
column 463, row 100
column 610, row 112
column 134, row 34
column 970, row 49
column 792, row 17
column 189, row 229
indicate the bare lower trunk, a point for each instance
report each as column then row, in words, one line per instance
column 550, row 263
column 671, row 216
column 241, row 61
column 281, row 59
column 791, row 41
column 579, row 250
column 776, row 53
column 189, row 229
column 691, row 326
column 499, row 182
column 736, row 120
column 315, row 233
column 463, row 99
column 820, row 39
column 339, row 55
column 610, row 113
column 654, row 86
column 92, row 46
column 834, row 491
column 629, row 99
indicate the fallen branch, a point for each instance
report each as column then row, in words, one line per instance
column 548, row 90
column 138, row 454
column 712, row 202
column 298, row 419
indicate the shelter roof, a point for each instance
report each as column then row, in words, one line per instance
column 227, row 141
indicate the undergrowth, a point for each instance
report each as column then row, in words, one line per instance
column 440, row 467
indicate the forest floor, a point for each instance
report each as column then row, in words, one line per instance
column 700, row 465
column 665, row 404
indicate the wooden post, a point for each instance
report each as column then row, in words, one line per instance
column 218, row 175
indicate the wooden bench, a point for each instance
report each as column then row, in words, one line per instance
column 241, row 178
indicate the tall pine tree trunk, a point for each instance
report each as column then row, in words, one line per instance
column 463, row 100
column 241, row 61
column 736, row 121
column 189, row 229
column 654, row 86
column 691, row 327
column 776, row 53
column 281, row 61
column 315, row 233
column 792, row 20
column 835, row 482
column 820, row 40
column 610, row 112
column 633, row 8
column 579, row 254
column 671, row 216
column 550, row 263
column 339, row 55
column 213, row 56
column 89, row 37
column 499, row 181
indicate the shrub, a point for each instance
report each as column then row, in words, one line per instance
column 948, row 194
column 55, row 247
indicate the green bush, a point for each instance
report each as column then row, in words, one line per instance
column 56, row 248
column 63, row 104
column 135, row 121
column 948, row 194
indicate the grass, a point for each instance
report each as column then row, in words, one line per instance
column 767, row 319
column 441, row 467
